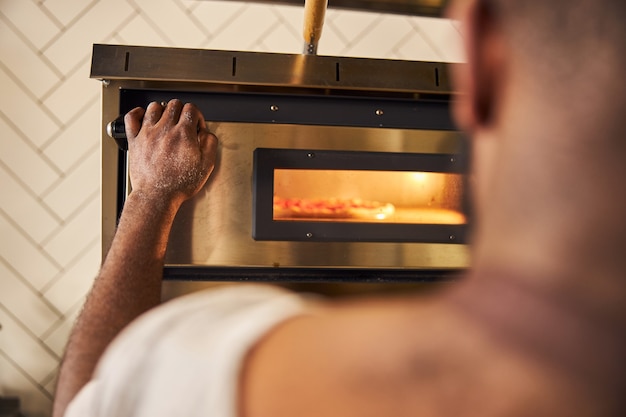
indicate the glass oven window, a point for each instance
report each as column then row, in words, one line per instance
column 326, row 195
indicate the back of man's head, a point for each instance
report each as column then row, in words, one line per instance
column 570, row 24
column 560, row 37
column 543, row 96
column 571, row 54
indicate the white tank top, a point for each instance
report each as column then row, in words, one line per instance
column 184, row 357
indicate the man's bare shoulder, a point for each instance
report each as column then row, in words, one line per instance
column 407, row 356
column 402, row 356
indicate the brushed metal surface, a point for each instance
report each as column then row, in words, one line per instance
column 215, row 227
column 268, row 69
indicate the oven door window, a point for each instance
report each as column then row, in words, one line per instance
column 358, row 196
column 327, row 195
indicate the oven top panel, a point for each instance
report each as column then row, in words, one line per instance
column 236, row 68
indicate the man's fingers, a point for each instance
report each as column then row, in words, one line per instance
column 172, row 111
column 167, row 115
column 208, row 146
column 202, row 124
column 207, row 141
column 153, row 114
column 191, row 116
column 132, row 121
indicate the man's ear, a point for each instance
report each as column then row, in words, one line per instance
column 480, row 80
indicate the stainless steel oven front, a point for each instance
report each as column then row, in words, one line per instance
column 329, row 168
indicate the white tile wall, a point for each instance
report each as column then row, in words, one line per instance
column 49, row 147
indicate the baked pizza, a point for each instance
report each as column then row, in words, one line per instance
column 330, row 208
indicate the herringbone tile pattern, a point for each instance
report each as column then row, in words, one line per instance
column 49, row 148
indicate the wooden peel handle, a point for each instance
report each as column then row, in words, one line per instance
column 314, row 11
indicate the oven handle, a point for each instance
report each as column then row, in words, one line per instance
column 117, row 130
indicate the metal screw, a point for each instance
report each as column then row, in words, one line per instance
column 309, row 235
column 452, row 237
column 311, row 155
column 452, row 159
column 379, row 112
column 274, row 107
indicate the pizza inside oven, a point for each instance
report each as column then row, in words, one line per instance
column 331, row 208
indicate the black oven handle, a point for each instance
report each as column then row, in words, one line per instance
column 117, row 130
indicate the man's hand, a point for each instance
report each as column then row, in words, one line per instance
column 171, row 150
column 171, row 156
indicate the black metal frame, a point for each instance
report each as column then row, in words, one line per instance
column 262, row 107
column 324, row 110
column 264, row 227
column 310, row 275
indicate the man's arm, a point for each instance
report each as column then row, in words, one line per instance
column 171, row 155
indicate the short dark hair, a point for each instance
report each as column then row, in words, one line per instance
column 565, row 32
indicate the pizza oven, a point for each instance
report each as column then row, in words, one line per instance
column 329, row 168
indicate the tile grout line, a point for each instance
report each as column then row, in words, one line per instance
column 286, row 23
column 36, row 150
column 28, row 43
column 51, row 377
column 402, row 41
column 26, row 375
column 240, row 11
column 63, row 319
column 350, row 44
column 124, row 23
column 94, row 242
column 332, row 26
column 262, row 36
column 31, row 287
column 427, row 39
column 87, row 58
column 68, row 171
column 62, row 81
column 71, row 23
column 79, row 208
column 193, row 5
column 42, row 6
column 203, row 28
column 30, row 333
column 29, row 238
column 30, row 192
column 30, row 95
column 151, row 23
column 71, row 121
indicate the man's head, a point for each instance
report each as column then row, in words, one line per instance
column 540, row 28
column 542, row 96
column 554, row 46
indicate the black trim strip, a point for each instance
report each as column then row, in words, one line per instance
column 322, row 110
column 315, row 275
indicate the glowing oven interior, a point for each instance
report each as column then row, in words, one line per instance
column 412, row 197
